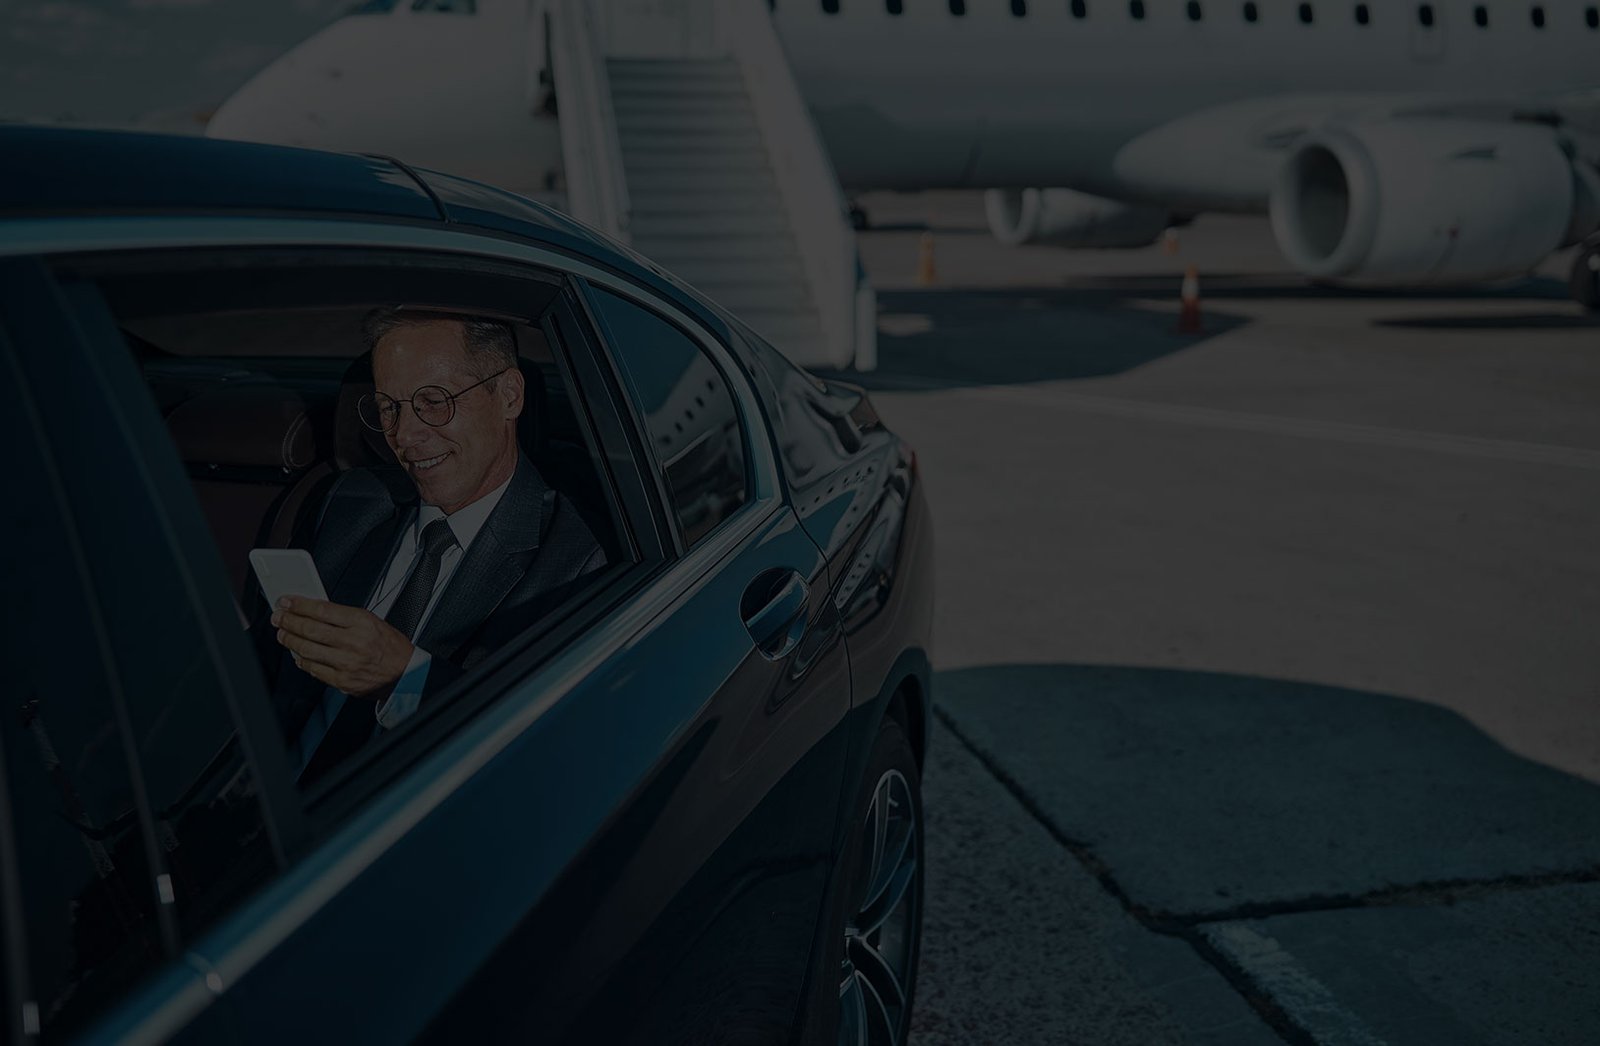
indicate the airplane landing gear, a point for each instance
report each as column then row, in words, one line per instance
column 1586, row 276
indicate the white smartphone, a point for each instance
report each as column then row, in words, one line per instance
column 286, row 572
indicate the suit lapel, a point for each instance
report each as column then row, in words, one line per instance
column 499, row 557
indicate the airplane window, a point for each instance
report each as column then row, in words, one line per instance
column 450, row 7
column 1480, row 16
column 1251, row 13
column 1363, row 14
column 1591, row 17
column 1307, row 15
column 958, row 7
column 1019, row 8
column 895, row 6
column 1195, row 13
column 830, row 7
column 1080, row 9
column 1537, row 14
column 1136, row 10
column 1425, row 15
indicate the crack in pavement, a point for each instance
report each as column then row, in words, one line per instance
column 1190, row 927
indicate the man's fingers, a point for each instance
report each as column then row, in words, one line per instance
column 310, row 649
column 321, row 610
column 309, row 627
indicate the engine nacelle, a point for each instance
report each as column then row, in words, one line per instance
column 1426, row 201
column 1069, row 218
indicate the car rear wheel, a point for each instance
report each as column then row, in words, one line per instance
column 883, row 922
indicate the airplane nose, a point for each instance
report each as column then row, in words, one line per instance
column 447, row 92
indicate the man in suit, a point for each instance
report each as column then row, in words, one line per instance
column 432, row 565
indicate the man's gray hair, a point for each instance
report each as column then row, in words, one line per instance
column 491, row 345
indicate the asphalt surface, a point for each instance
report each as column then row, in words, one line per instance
column 1267, row 656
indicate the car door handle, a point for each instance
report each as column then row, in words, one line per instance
column 774, row 610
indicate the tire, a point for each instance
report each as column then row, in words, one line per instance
column 876, row 925
column 1586, row 277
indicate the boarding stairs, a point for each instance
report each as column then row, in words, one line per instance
column 702, row 156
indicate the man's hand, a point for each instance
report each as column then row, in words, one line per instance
column 348, row 648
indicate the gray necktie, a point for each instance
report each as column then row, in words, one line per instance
column 413, row 598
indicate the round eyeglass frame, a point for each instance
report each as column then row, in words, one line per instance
column 370, row 407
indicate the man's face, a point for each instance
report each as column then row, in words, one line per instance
column 456, row 463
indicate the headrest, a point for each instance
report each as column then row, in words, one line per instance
column 535, row 419
column 256, row 425
column 357, row 446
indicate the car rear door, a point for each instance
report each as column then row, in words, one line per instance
column 691, row 915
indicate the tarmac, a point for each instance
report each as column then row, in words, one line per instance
column 1267, row 657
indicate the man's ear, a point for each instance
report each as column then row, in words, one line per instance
column 515, row 387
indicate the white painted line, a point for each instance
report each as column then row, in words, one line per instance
column 1306, row 1000
column 1329, row 431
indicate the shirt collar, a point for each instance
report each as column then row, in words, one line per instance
column 464, row 522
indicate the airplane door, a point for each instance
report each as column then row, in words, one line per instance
column 658, row 28
column 1429, row 25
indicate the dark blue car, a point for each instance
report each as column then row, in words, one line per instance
column 681, row 804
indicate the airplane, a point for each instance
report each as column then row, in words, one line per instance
column 1392, row 144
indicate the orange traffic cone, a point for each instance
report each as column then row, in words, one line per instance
column 927, row 271
column 1169, row 241
column 1189, row 314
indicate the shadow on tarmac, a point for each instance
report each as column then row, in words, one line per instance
column 942, row 339
column 1205, row 796
column 1298, row 288
column 1515, row 322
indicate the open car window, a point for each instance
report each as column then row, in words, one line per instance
column 259, row 364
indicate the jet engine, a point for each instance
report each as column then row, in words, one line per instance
column 1069, row 218
column 1429, row 201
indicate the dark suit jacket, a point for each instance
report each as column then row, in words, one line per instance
column 528, row 557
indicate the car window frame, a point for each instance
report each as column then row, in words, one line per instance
column 721, row 357
column 349, row 786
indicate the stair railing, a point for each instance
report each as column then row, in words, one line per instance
column 818, row 214
column 597, row 190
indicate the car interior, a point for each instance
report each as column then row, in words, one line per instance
column 257, row 366
column 263, row 438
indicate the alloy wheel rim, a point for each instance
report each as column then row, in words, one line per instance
column 880, row 937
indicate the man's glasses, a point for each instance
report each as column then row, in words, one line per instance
column 433, row 405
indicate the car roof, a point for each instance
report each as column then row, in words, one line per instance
column 60, row 171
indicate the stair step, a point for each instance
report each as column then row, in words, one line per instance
column 720, row 69
column 702, row 201
column 688, row 179
column 666, row 106
column 739, row 250
column 753, row 223
column 714, row 139
column 692, row 80
column 677, row 96
column 688, row 122
column 677, row 155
